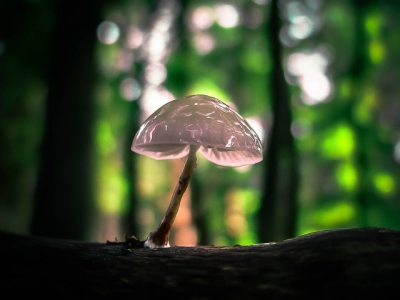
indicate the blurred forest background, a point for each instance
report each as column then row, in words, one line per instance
column 317, row 79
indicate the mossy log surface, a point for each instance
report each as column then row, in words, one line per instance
column 345, row 263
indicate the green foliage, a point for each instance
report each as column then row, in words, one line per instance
column 338, row 142
column 208, row 87
column 348, row 143
column 384, row 183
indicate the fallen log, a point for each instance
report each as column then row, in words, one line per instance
column 345, row 263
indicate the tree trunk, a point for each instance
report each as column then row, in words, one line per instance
column 365, row 134
column 277, row 215
column 64, row 192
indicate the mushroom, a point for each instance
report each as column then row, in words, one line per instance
column 181, row 128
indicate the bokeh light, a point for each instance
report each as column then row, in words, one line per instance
column 301, row 27
column 204, row 43
column 339, row 142
column 155, row 73
column 299, row 63
column 202, row 18
column 347, row 176
column 261, row 2
column 153, row 98
column 384, row 183
column 228, row 15
column 134, row 37
column 130, row 89
column 308, row 69
column 108, row 32
column 316, row 87
column 156, row 48
column 302, row 21
column 124, row 60
column 335, row 215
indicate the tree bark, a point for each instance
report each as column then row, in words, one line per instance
column 333, row 264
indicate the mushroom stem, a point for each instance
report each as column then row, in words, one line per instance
column 160, row 236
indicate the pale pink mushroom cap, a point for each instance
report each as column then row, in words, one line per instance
column 224, row 137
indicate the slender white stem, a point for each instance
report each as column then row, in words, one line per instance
column 160, row 236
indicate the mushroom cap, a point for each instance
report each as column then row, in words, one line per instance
column 223, row 136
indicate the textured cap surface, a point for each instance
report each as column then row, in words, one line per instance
column 224, row 137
